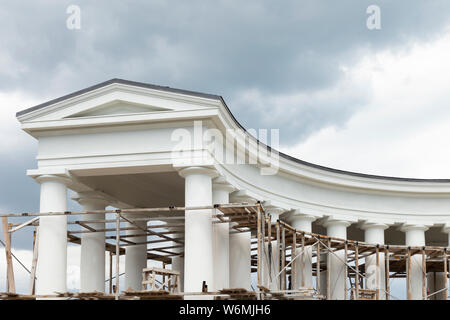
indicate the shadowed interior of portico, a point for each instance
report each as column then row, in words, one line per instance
column 142, row 190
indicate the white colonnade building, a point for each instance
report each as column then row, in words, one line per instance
column 127, row 145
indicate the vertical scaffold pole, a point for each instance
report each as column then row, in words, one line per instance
column 408, row 274
column 445, row 274
column 34, row 262
column 318, row 267
column 303, row 260
column 345, row 269
column 356, row 271
column 259, row 248
column 293, row 264
column 263, row 248
column 269, row 246
column 388, row 286
column 11, row 287
column 328, row 270
column 110, row 272
column 283, row 258
column 117, row 252
column 377, row 252
column 424, row 274
column 278, row 277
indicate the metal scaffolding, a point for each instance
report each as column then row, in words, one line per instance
column 280, row 268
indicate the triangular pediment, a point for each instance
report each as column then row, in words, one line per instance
column 115, row 98
column 117, row 108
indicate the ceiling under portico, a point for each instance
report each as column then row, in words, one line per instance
column 144, row 190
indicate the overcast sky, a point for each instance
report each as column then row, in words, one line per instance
column 344, row 96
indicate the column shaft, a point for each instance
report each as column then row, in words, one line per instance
column 178, row 265
column 52, row 263
column 375, row 277
column 337, row 268
column 415, row 236
column 303, row 223
column 221, row 239
column 240, row 267
column 198, row 254
column 135, row 256
column 178, row 261
column 92, row 260
column 270, row 265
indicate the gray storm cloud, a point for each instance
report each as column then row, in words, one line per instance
column 222, row 47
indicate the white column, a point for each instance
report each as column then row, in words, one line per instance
column 337, row 268
column 240, row 250
column 415, row 236
column 135, row 255
column 374, row 234
column 270, row 269
column 178, row 265
column 447, row 230
column 52, row 263
column 178, row 261
column 198, row 253
column 240, row 263
column 303, row 222
column 221, row 231
column 92, row 260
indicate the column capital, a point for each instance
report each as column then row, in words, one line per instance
column 297, row 214
column 243, row 196
column 411, row 227
column 89, row 197
column 184, row 172
column 50, row 177
column 373, row 225
column 271, row 209
column 220, row 183
column 274, row 212
column 336, row 222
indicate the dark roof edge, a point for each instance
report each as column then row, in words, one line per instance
column 217, row 97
